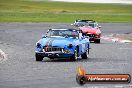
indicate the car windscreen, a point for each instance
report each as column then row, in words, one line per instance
column 91, row 25
column 80, row 24
column 62, row 33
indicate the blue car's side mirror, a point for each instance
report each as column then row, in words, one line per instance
column 80, row 35
column 83, row 37
column 43, row 36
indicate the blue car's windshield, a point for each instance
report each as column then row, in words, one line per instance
column 62, row 33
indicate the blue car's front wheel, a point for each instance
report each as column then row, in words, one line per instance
column 38, row 57
column 75, row 55
column 85, row 55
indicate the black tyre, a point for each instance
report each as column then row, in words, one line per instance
column 51, row 58
column 39, row 57
column 81, row 80
column 97, row 41
column 75, row 55
column 85, row 55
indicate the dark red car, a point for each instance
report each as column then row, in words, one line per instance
column 89, row 28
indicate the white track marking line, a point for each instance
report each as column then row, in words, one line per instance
column 114, row 39
column 3, row 56
column 126, row 48
column 96, row 1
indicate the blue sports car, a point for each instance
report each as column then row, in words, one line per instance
column 62, row 43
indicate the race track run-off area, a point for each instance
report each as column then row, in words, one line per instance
column 20, row 69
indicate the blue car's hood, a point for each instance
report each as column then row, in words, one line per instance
column 60, row 42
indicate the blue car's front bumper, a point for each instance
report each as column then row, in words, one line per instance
column 54, row 54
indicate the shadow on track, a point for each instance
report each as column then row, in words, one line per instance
column 84, row 60
column 64, row 60
column 68, row 60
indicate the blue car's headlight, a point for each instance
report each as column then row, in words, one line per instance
column 38, row 45
column 70, row 46
column 66, row 51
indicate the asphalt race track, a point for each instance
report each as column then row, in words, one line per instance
column 20, row 70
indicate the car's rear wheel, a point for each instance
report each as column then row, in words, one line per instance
column 97, row 41
column 38, row 57
column 85, row 55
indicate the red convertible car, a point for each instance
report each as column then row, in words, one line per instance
column 89, row 28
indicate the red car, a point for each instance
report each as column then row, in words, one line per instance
column 89, row 28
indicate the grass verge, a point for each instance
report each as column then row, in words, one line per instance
column 46, row 11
